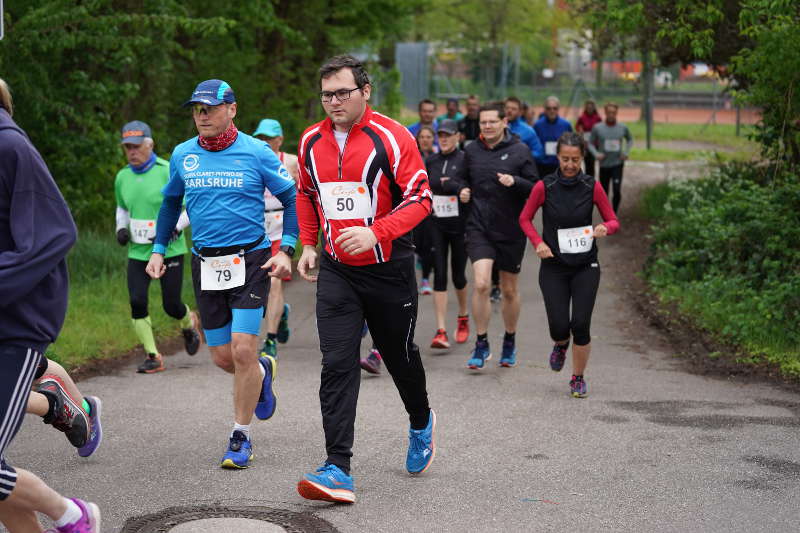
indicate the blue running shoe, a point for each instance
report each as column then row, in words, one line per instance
column 267, row 402
column 578, row 387
column 283, row 325
column 240, row 452
column 95, row 429
column 329, row 484
column 421, row 447
column 480, row 355
column 558, row 356
column 509, row 356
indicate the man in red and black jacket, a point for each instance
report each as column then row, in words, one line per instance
column 363, row 182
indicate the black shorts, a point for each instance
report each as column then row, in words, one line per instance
column 215, row 306
column 507, row 255
column 17, row 369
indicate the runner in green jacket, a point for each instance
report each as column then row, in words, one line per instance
column 138, row 192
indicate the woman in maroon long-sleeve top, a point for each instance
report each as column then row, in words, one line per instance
column 570, row 271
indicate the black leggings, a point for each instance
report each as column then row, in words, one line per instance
column 385, row 294
column 589, row 160
column 562, row 284
column 171, row 285
column 423, row 242
column 458, row 261
column 613, row 175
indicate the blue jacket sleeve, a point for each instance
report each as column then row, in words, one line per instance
column 291, row 228
column 171, row 207
column 167, row 218
column 41, row 225
column 535, row 145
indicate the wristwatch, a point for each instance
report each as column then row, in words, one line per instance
column 288, row 250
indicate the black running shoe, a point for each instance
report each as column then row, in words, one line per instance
column 191, row 341
column 496, row 295
column 191, row 336
column 66, row 416
column 152, row 364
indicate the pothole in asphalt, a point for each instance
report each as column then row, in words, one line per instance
column 223, row 519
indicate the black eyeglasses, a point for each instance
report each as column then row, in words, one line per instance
column 341, row 94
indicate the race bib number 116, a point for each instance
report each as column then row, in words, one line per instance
column 575, row 240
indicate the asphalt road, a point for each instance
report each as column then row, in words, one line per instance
column 653, row 448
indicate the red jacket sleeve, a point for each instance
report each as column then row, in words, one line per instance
column 412, row 178
column 535, row 201
column 306, row 211
column 606, row 211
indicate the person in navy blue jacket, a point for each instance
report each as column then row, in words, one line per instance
column 36, row 232
column 549, row 128
column 520, row 128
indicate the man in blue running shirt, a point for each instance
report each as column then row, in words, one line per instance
column 549, row 128
column 222, row 173
column 520, row 128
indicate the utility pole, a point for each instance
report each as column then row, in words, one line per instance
column 647, row 74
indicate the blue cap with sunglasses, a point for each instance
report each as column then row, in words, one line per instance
column 212, row 92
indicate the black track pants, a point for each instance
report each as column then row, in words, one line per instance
column 386, row 296
column 613, row 175
column 563, row 285
column 444, row 242
column 171, row 284
column 17, row 369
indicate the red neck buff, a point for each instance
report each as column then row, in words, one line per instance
column 221, row 141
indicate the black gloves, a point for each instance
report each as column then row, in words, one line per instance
column 123, row 236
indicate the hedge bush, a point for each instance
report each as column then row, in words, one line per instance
column 727, row 251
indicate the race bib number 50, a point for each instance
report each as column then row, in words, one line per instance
column 223, row 272
column 575, row 240
column 345, row 200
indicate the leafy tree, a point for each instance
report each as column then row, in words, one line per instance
column 80, row 69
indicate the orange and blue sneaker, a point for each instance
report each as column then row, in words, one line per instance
column 240, row 452
column 578, row 387
column 66, row 415
column 267, row 402
column 421, row 447
column 480, row 355
column 558, row 356
column 330, row 483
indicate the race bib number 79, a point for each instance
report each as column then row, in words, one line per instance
column 575, row 240
column 223, row 272
column 345, row 200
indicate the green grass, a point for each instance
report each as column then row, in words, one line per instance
column 720, row 134
column 662, row 155
column 98, row 322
